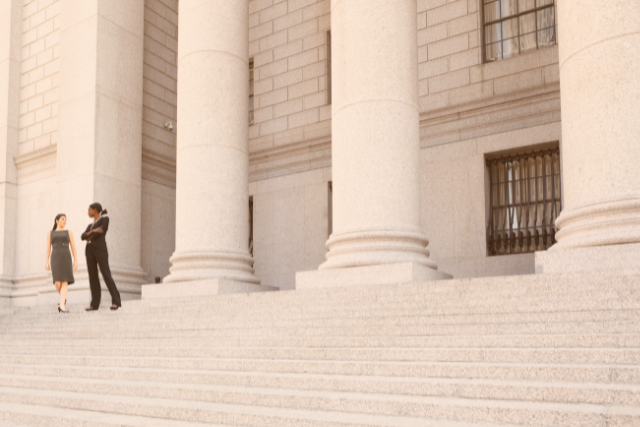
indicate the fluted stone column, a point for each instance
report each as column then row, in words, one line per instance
column 212, row 157
column 600, row 91
column 375, row 142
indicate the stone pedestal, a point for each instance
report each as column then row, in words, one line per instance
column 600, row 91
column 195, row 288
column 613, row 259
column 375, row 141
column 212, row 189
column 383, row 274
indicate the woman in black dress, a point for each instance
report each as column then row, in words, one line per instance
column 58, row 242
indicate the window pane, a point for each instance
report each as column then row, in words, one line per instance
column 510, row 28
column 547, row 37
column 527, row 42
column 528, row 23
column 509, row 7
column 492, row 11
column 543, row 2
column 493, row 33
column 494, row 51
column 510, row 48
column 546, row 18
column 524, row 5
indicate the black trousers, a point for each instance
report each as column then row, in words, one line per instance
column 95, row 258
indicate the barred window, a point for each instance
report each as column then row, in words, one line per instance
column 251, row 91
column 329, row 67
column 512, row 27
column 524, row 201
column 251, row 226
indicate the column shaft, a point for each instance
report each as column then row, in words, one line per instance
column 600, row 88
column 10, row 58
column 375, row 135
column 212, row 190
column 100, row 126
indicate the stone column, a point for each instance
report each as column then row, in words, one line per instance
column 599, row 227
column 600, row 90
column 10, row 46
column 375, row 141
column 212, row 188
column 100, row 126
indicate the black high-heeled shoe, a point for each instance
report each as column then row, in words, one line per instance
column 62, row 311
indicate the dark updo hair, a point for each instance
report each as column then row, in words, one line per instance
column 55, row 222
column 98, row 207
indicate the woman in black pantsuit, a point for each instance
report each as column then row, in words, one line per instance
column 58, row 242
column 97, row 255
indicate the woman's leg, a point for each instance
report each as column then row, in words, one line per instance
column 58, row 286
column 103, row 262
column 94, row 280
column 64, row 288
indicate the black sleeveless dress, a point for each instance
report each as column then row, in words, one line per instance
column 61, row 263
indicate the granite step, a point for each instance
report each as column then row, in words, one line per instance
column 346, row 408
column 622, row 356
column 261, row 388
column 18, row 415
column 623, row 374
column 79, row 319
column 207, row 322
column 369, row 338
column 138, row 367
column 243, row 335
column 473, row 288
column 445, row 291
column 247, row 335
column 78, row 418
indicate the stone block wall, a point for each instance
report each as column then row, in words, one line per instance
column 288, row 41
column 472, row 109
column 39, row 75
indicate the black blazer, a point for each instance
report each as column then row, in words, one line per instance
column 97, row 240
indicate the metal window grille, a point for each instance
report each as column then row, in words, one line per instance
column 515, row 26
column 251, row 91
column 251, row 226
column 524, row 202
column 328, row 67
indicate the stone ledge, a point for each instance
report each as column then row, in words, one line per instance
column 200, row 288
column 386, row 274
column 613, row 258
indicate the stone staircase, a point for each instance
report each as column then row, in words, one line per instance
column 546, row 350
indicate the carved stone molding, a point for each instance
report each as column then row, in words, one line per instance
column 159, row 169
column 291, row 158
column 37, row 164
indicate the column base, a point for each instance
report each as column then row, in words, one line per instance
column 616, row 258
column 383, row 274
column 197, row 288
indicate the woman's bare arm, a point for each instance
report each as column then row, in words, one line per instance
column 73, row 250
column 46, row 263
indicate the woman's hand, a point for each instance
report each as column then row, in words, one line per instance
column 97, row 230
column 47, row 266
column 75, row 265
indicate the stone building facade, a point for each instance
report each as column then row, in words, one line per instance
column 260, row 143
